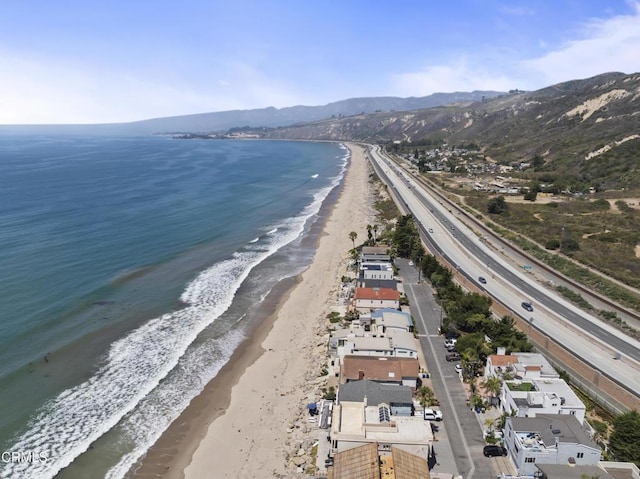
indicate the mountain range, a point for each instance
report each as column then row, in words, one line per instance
column 588, row 128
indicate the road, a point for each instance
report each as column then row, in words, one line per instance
column 463, row 431
column 595, row 342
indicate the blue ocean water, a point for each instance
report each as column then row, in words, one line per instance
column 129, row 270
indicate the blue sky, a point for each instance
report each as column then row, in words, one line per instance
column 72, row 61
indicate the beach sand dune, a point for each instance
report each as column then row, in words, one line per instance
column 237, row 428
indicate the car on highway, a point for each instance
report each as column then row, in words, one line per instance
column 482, row 279
column 527, row 306
column 493, row 450
column 431, row 230
column 432, row 415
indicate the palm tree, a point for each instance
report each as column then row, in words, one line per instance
column 490, row 422
column 352, row 236
column 425, row 396
column 493, row 385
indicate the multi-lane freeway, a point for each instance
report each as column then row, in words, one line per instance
column 612, row 353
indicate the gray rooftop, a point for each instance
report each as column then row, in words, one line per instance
column 376, row 393
column 564, row 471
column 565, row 427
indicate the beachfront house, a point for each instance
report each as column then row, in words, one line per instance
column 376, row 270
column 400, row 371
column 533, row 397
column 370, row 299
column 375, row 461
column 355, row 423
column 375, row 254
column 399, row 344
column 398, row 398
column 388, row 320
column 548, row 439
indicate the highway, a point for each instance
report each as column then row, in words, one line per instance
column 610, row 351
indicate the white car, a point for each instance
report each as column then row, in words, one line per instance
column 450, row 343
column 432, row 415
column 458, row 368
column 410, row 263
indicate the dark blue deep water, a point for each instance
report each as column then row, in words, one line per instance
column 129, row 268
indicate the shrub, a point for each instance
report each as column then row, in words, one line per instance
column 552, row 244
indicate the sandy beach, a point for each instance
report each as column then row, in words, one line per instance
column 240, row 426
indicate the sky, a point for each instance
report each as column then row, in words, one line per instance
column 95, row 61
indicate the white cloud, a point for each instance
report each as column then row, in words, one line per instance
column 604, row 45
column 611, row 44
column 37, row 90
column 457, row 76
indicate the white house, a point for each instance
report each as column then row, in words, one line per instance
column 541, row 396
column 386, row 320
column 548, row 439
column 397, row 344
column 519, row 366
column 376, row 270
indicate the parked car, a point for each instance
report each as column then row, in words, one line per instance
column 450, row 342
column 527, row 306
column 410, row 263
column 482, row 280
column 458, row 368
column 493, row 450
column 452, row 357
column 432, row 415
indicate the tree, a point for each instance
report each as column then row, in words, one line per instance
column 352, row 236
column 624, row 442
column 375, row 233
column 425, row 396
column 492, row 385
column 369, row 232
column 497, row 205
column 530, row 195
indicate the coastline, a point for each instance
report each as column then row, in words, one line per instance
column 238, row 425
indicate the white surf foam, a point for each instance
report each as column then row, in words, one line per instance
column 315, row 176
column 66, row 426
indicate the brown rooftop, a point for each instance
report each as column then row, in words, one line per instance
column 357, row 463
column 378, row 369
column 377, row 293
column 363, row 462
column 409, row 466
column 503, row 360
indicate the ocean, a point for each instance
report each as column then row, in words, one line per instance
column 131, row 268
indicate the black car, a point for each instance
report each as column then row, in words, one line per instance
column 493, row 450
column 482, row 280
column 527, row 306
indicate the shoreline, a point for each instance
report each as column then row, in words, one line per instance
column 240, row 414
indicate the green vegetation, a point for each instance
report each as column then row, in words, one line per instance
column 624, row 442
column 607, row 240
column 524, row 386
column 468, row 315
column 497, row 205
column 574, row 297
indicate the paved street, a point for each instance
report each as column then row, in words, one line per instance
column 463, row 450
